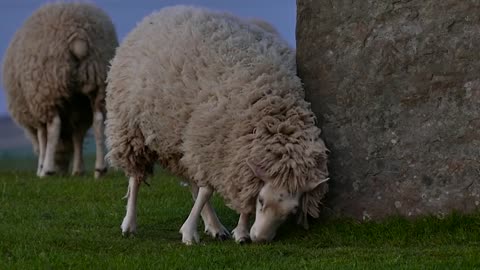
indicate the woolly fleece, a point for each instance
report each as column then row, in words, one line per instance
column 42, row 74
column 202, row 92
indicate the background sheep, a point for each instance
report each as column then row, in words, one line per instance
column 54, row 74
column 215, row 99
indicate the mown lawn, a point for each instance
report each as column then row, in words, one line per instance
column 73, row 222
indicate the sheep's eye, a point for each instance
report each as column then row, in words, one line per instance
column 295, row 209
column 260, row 200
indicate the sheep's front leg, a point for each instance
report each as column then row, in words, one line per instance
column 53, row 136
column 129, row 224
column 99, row 127
column 213, row 226
column 78, row 166
column 241, row 232
column 42, row 145
column 189, row 228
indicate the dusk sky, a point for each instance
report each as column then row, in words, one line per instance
column 127, row 13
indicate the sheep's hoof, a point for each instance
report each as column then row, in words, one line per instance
column 241, row 236
column 189, row 236
column 128, row 234
column 218, row 232
column 222, row 236
column 78, row 173
column 45, row 174
column 39, row 171
column 244, row 240
column 190, row 239
column 129, row 226
column 100, row 172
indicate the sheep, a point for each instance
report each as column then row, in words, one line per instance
column 54, row 76
column 215, row 99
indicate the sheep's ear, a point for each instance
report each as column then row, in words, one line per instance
column 257, row 171
column 311, row 185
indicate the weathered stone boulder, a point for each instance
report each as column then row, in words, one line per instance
column 396, row 88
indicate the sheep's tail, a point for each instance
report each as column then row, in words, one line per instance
column 79, row 48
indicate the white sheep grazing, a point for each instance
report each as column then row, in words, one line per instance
column 216, row 100
column 54, row 74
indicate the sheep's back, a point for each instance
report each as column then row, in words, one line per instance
column 179, row 60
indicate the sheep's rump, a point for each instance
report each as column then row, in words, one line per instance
column 201, row 92
column 44, row 67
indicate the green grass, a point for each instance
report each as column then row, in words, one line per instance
column 73, row 222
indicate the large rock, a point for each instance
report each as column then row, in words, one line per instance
column 396, row 87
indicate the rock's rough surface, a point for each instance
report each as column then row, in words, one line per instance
column 396, row 87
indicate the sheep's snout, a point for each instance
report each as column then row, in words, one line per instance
column 265, row 235
column 273, row 207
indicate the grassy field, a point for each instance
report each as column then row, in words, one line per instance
column 73, row 222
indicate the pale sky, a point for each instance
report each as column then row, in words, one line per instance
column 127, row 13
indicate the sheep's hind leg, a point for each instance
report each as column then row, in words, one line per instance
column 213, row 226
column 129, row 224
column 78, row 167
column 241, row 232
column 189, row 228
column 99, row 127
column 53, row 135
column 42, row 144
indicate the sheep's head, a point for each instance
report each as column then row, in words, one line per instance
column 274, row 205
